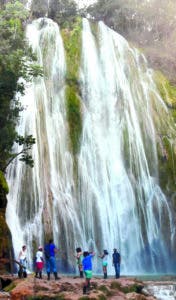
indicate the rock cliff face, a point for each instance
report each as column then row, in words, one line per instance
column 5, row 236
column 148, row 24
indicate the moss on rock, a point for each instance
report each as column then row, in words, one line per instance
column 3, row 183
column 74, row 117
column 166, row 145
column 72, row 44
column 166, row 89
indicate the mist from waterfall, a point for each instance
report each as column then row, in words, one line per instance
column 114, row 200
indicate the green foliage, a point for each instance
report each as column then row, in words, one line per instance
column 3, row 183
column 26, row 143
column 105, row 290
column 72, row 45
column 61, row 10
column 167, row 153
column 10, row 287
column 74, row 117
column 16, row 61
column 102, row 297
column 166, row 89
column 129, row 289
column 115, row 285
column 136, row 287
column 58, row 297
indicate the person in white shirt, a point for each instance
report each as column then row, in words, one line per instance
column 39, row 262
column 22, row 258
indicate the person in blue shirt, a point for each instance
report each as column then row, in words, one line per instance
column 50, row 251
column 87, row 267
column 116, row 260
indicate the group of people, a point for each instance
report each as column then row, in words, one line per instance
column 84, row 262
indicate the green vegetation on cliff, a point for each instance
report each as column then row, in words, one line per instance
column 72, row 44
column 167, row 146
column 3, row 183
column 74, row 117
column 167, row 90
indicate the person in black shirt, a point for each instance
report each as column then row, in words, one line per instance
column 116, row 259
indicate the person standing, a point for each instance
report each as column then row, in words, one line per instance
column 22, row 258
column 50, row 251
column 116, row 260
column 79, row 257
column 87, row 267
column 39, row 262
column 104, row 258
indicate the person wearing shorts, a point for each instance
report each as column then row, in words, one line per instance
column 39, row 262
column 104, row 258
column 87, row 267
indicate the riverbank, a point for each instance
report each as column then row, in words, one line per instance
column 70, row 288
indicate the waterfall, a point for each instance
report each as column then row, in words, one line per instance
column 42, row 199
column 114, row 201
column 122, row 199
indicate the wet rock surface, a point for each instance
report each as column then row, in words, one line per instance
column 70, row 288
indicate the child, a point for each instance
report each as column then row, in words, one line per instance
column 39, row 262
column 87, row 267
column 79, row 256
column 104, row 258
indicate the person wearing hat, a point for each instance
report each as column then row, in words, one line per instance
column 39, row 262
column 116, row 260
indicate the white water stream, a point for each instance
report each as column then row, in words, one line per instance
column 116, row 201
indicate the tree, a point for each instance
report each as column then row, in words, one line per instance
column 62, row 10
column 16, row 61
column 26, row 143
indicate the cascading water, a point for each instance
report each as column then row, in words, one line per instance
column 114, row 200
column 43, row 198
column 122, row 200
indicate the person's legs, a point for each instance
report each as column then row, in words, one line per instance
column 53, row 264
column 118, row 266
column 88, row 275
column 86, row 286
column 81, row 271
column 23, row 262
column 48, row 268
column 53, row 267
column 117, row 270
column 36, row 272
column 105, row 270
